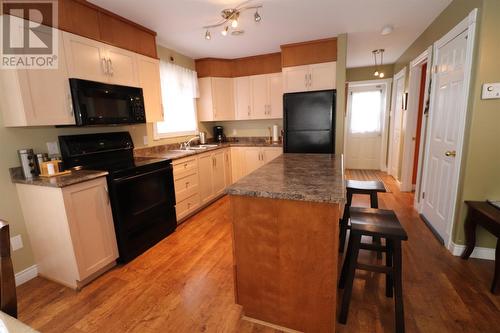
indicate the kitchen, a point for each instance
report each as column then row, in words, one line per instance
column 118, row 192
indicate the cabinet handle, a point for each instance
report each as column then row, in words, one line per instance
column 110, row 68
column 70, row 102
column 104, row 64
column 306, row 80
column 249, row 110
column 187, row 184
column 185, row 165
column 107, row 193
column 310, row 80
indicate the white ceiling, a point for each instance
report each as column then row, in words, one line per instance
column 179, row 24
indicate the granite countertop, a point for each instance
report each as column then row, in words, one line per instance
column 303, row 177
column 174, row 153
column 74, row 177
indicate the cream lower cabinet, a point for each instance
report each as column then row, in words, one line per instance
column 245, row 160
column 199, row 179
column 212, row 175
column 186, row 185
column 71, row 230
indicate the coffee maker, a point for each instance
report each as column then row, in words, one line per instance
column 219, row 134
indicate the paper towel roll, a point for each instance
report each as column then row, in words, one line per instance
column 276, row 136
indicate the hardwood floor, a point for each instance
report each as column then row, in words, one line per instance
column 185, row 284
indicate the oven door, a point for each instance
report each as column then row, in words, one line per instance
column 98, row 103
column 143, row 210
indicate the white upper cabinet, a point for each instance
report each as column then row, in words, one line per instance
column 275, row 86
column 259, row 96
column 95, row 61
column 310, row 77
column 242, row 97
column 149, row 80
column 36, row 97
column 216, row 101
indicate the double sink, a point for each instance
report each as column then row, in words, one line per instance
column 199, row 147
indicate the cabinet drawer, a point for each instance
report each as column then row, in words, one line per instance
column 186, row 206
column 185, row 166
column 186, row 186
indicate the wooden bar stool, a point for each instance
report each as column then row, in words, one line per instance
column 8, row 299
column 376, row 223
column 371, row 188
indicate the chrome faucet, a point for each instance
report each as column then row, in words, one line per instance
column 187, row 144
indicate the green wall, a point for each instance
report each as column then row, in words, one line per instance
column 366, row 73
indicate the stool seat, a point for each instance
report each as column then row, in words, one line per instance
column 376, row 222
column 365, row 186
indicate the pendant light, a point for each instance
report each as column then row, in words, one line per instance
column 378, row 72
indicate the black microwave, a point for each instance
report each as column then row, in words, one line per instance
column 96, row 103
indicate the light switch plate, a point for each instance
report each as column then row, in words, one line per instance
column 145, row 140
column 53, row 148
column 16, row 242
column 491, row 91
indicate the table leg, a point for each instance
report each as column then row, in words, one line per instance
column 470, row 236
column 496, row 275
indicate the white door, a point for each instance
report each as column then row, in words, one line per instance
column 86, row 58
column 323, row 76
column 364, row 131
column 397, row 124
column 242, row 100
column 122, row 67
column 446, row 111
column 295, row 79
column 149, row 79
column 275, row 95
column 260, row 96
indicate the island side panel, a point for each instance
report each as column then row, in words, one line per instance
column 286, row 255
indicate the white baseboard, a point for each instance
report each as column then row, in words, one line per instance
column 479, row 252
column 26, row 275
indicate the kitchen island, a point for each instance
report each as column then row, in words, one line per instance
column 285, row 219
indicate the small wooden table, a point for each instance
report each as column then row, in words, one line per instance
column 487, row 216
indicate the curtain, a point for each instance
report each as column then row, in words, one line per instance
column 179, row 88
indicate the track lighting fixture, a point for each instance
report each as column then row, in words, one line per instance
column 230, row 19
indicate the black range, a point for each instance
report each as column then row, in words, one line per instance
column 141, row 190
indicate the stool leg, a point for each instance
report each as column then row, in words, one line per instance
column 389, row 285
column 496, row 275
column 345, row 264
column 355, row 240
column 398, row 287
column 344, row 222
column 374, row 204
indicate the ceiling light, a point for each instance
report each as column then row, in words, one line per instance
column 387, row 29
column 381, row 75
column 230, row 18
column 381, row 53
column 257, row 16
column 376, row 73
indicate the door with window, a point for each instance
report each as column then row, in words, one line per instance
column 364, row 128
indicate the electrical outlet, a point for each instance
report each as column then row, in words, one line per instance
column 234, row 132
column 53, row 148
column 16, row 242
column 145, row 140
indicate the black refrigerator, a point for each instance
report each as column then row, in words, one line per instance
column 309, row 122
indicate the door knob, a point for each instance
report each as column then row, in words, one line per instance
column 451, row 153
